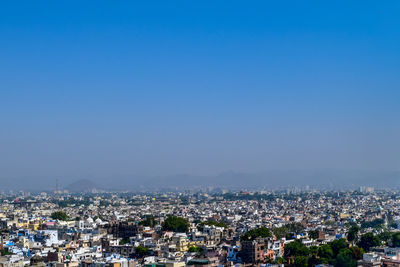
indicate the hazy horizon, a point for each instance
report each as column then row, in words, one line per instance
column 105, row 90
column 268, row 180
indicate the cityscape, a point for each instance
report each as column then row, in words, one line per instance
column 208, row 133
column 201, row 228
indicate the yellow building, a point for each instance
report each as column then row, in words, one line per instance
column 181, row 242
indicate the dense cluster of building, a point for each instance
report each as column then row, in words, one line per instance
column 191, row 228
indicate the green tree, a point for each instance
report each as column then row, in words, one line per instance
column 194, row 249
column 198, row 250
column 325, row 252
column 353, row 233
column 345, row 259
column 124, row 241
column 285, row 230
column 59, row 215
column 314, row 234
column 385, row 236
column 357, row 253
column 295, row 227
column 313, row 250
column 148, row 221
column 367, row 241
column 313, row 259
column 301, row 261
column 396, row 240
column 176, row 224
column 338, row 245
column 5, row 252
column 295, row 249
column 377, row 223
column 280, row 232
column 141, row 251
column 254, row 233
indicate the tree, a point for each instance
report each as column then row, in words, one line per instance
column 295, row 249
column 295, row 227
column 149, row 221
column 314, row 234
column 141, row 251
column 254, row 233
column 59, row 215
column 396, row 240
column 313, row 259
column 194, row 249
column 357, row 253
column 385, row 236
column 325, row 252
column 285, row 230
column 345, row 259
column 338, row 245
column 353, row 233
column 280, row 260
column 301, row 261
column 5, row 252
column 313, row 250
column 367, row 241
column 124, row 241
column 377, row 223
column 176, row 224
column 280, row 232
column 198, row 250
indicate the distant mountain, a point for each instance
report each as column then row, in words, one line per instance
column 83, row 185
column 327, row 178
column 273, row 178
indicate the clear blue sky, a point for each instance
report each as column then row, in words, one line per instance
column 97, row 88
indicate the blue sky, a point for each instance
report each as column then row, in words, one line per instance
column 102, row 88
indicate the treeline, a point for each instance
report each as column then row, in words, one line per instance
column 337, row 253
column 288, row 231
column 377, row 223
column 255, row 233
column 59, row 215
column 369, row 240
column 341, row 252
column 176, row 224
column 74, row 202
column 148, row 221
